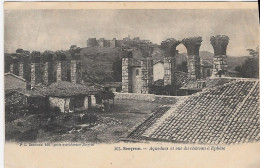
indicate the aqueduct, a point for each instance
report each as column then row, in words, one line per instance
column 192, row 45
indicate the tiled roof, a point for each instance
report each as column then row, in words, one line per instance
column 138, row 131
column 61, row 89
column 223, row 115
column 181, row 78
column 210, row 82
column 18, row 77
column 112, row 84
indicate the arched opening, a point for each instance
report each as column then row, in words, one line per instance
column 181, row 58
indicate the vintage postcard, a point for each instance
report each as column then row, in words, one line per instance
column 131, row 84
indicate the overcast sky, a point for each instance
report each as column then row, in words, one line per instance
column 58, row 29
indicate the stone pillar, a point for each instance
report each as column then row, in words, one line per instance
column 26, row 68
column 126, row 75
column 75, row 71
column 86, row 102
column 193, row 45
column 36, row 76
column 12, row 68
column 147, row 74
column 79, row 71
column 167, row 70
column 219, row 44
column 73, row 68
column 64, row 70
column 33, row 82
column 58, row 71
column 93, row 101
column 169, row 47
column 202, row 70
column 21, row 69
column 48, row 69
column 46, row 73
column 61, row 67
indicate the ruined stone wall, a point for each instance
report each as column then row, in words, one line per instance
column 91, row 42
column 101, row 42
column 134, row 96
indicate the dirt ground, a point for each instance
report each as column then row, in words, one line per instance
column 91, row 126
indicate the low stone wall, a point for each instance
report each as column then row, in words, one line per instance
column 148, row 97
column 135, row 96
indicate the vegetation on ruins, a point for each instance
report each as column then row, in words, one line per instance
column 250, row 67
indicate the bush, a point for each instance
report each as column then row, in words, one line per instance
column 55, row 110
column 29, row 135
column 89, row 118
column 12, row 135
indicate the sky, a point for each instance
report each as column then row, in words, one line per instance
column 42, row 30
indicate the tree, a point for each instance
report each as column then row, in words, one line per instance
column 250, row 67
column 74, row 51
column 19, row 50
column 221, row 72
column 117, row 69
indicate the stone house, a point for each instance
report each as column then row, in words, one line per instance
column 68, row 97
column 13, row 81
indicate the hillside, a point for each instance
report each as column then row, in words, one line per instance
column 97, row 63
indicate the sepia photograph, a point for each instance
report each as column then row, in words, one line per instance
column 132, row 76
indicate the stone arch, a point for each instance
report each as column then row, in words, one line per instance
column 192, row 44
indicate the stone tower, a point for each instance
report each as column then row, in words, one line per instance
column 219, row 43
column 192, row 45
